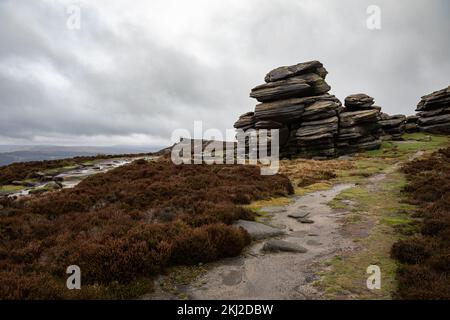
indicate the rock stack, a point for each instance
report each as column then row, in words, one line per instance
column 295, row 100
column 411, row 124
column 433, row 111
column 393, row 126
column 359, row 127
column 315, row 134
column 312, row 123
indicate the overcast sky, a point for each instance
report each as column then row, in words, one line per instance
column 137, row 70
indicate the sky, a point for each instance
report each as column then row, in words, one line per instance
column 131, row 72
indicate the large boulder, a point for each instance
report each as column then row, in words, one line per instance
column 295, row 70
column 296, row 87
column 351, row 118
column 359, row 101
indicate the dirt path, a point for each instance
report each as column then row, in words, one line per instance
column 280, row 275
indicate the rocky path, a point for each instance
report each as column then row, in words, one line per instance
column 282, row 262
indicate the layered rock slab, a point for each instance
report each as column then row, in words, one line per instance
column 433, row 112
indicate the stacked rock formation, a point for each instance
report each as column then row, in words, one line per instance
column 359, row 127
column 411, row 124
column 314, row 136
column 295, row 100
column 393, row 126
column 433, row 111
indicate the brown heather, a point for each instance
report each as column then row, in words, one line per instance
column 26, row 170
column 425, row 258
column 125, row 226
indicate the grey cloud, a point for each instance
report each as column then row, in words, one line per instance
column 132, row 81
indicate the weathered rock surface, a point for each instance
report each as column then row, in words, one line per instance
column 246, row 121
column 297, row 87
column 435, row 100
column 349, row 119
column 298, row 69
column 359, row 127
column 359, row 101
column 442, row 118
column 442, row 128
column 298, row 215
column 268, row 124
column 312, row 123
column 305, row 220
column 257, row 230
column 433, row 112
column 394, row 126
column 282, row 246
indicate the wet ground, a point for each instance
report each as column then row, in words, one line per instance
column 278, row 275
column 71, row 178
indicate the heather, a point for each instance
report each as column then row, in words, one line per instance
column 125, row 226
column 425, row 258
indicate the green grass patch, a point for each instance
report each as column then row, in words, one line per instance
column 177, row 277
column 410, row 144
column 362, row 168
column 272, row 202
column 345, row 277
column 60, row 170
column 358, row 194
column 320, row 186
column 7, row 189
column 379, row 210
column 393, row 221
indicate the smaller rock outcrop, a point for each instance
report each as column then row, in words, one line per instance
column 433, row 112
column 393, row 126
column 411, row 124
column 359, row 127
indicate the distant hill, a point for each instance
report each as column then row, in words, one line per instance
column 16, row 153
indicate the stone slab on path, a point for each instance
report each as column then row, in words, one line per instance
column 283, row 246
column 257, row 230
column 298, row 215
column 305, row 220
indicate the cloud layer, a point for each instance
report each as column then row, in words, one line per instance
column 135, row 71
